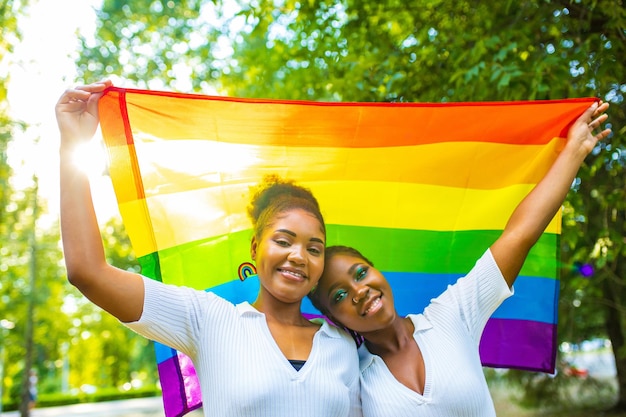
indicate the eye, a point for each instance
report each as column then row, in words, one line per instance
column 315, row 251
column 360, row 273
column 339, row 296
column 282, row 242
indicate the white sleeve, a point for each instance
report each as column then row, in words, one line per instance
column 475, row 296
column 173, row 315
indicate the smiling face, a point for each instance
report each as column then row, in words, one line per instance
column 355, row 294
column 289, row 255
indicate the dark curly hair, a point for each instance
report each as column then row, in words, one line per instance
column 275, row 195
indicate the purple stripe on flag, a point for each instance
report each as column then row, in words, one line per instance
column 180, row 386
column 520, row 344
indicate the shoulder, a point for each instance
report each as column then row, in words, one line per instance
column 331, row 331
column 485, row 276
column 160, row 297
column 154, row 287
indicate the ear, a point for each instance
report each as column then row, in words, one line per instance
column 253, row 246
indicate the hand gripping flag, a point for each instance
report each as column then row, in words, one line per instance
column 421, row 189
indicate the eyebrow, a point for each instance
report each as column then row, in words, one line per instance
column 291, row 233
column 337, row 284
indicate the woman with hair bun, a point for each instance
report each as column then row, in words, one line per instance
column 259, row 359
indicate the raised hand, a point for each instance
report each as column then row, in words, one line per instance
column 536, row 210
column 581, row 135
column 77, row 112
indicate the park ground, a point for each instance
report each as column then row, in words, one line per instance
column 506, row 406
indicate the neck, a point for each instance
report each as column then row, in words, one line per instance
column 392, row 338
column 277, row 311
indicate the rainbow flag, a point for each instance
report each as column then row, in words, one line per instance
column 422, row 189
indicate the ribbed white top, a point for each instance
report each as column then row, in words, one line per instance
column 241, row 370
column 448, row 334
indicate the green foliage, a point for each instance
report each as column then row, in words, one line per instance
column 32, row 271
column 374, row 51
column 10, row 10
column 16, row 223
column 75, row 342
column 146, row 40
column 102, row 352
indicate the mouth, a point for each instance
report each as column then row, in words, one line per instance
column 292, row 274
column 372, row 305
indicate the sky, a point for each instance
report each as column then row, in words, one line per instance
column 41, row 69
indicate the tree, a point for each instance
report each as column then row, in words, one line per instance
column 33, row 288
column 10, row 36
column 436, row 51
column 103, row 353
column 13, row 203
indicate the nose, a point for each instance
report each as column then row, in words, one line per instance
column 361, row 293
column 297, row 254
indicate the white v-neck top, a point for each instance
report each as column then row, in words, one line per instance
column 241, row 369
column 448, row 334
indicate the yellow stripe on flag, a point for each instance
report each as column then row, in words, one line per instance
column 352, row 203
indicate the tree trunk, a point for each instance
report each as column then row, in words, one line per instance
column 26, row 403
column 614, row 328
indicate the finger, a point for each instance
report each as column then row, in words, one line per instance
column 71, row 106
column 95, row 87
column 587, row 116
column 605, row 133
column 92, row 103
column 594, row 124
column 82, row 93
column 602, row 107
column 597, row 116
column 76, row 94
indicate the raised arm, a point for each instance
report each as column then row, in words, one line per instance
column 119, row 292
column 536, row 210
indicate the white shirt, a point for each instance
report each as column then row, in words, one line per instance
column 241, row 370
column 448, row 335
